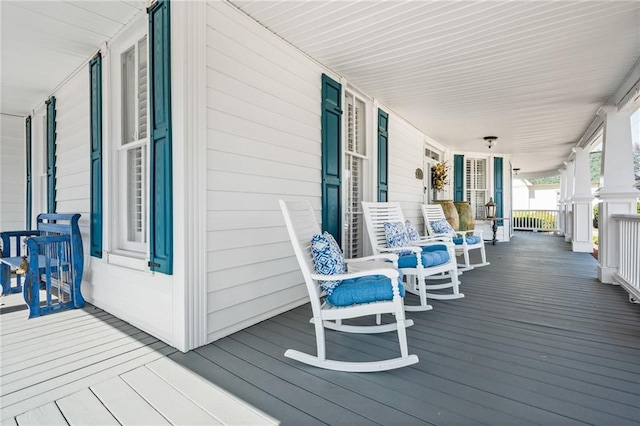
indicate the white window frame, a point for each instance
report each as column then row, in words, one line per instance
column 479, row 210
column 428, row 163
column 365, row 172
column 120, row 247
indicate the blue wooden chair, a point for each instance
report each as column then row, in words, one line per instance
column 53, row 262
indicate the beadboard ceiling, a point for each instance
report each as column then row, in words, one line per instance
column 533, row 73
column 43, row 42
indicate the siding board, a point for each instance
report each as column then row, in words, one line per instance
column 221, row 121
column 12, row 173
column 263, row 139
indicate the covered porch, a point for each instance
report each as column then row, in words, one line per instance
column 537, row 340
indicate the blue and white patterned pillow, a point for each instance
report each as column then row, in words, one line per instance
column 412, row 232
column 396, row 234
column 328, row 259
column 442, row 227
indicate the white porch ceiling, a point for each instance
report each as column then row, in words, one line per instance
column 43, row 42
column 533, row 73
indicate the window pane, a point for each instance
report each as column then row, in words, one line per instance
column 135, row 194
column 142, row 88
column 360, row 127
column 128, row 96
column 354, row 223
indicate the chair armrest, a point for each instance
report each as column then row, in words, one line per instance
column 434, row 241
column 441, row 236
column 390, row 273
column 7, row 236
column 477, row 232
column 414, row 249
column 390, row 256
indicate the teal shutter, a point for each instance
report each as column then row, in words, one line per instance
column 458, row 178
column 51, row 154
column 27, row 125
column 160, row 150
column 498, row 187
column 383, row 155
column 331, row 157
column 95, row 79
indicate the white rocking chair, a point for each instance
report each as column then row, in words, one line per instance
column 302, row 225
column 416, row 271
column 465, row 240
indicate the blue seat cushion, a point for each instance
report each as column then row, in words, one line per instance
column 429, row 258
column 363, row 290
column 471, row 239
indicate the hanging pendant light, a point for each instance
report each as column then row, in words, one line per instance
column 490, row 141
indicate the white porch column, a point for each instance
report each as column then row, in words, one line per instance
column 568, row 206
column 582, row 233
column 562, row 202
column 618, row 194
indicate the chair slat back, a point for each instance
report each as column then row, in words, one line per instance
column 302, row 225
column 375, row 215
column 432, row 212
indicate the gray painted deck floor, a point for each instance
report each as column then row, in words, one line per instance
column 536, row 340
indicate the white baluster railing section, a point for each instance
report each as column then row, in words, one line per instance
column 628, row 275
column 536, row 220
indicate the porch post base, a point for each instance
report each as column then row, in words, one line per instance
column 582, row 246
column 605, row 274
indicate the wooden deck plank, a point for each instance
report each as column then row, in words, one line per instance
column 450, row 393
column 46, row 415
column 24, row 327
column 340, row 396
column 306, row 401
column 126, row 405
column 431, row 407
column 226, row 408
column 11, row 421
column 536, row 340
column 173, row 405
column 83, row 408
column 41, row 393
column 25, row 360
column 55, row 368
column 266, row 401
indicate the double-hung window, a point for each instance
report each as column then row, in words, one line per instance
column 355, row 163
column 131, row 137
column 476, row 184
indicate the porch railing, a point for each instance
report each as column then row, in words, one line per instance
column 536, row 220
column 628, row 275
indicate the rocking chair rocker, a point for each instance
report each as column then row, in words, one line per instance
column 368, row 292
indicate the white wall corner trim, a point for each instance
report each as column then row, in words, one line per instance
column 188, row 33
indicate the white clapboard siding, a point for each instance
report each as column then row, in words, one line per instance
column 264, row 143
column 72, row 149
column 12, row 173
column 406, row 154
